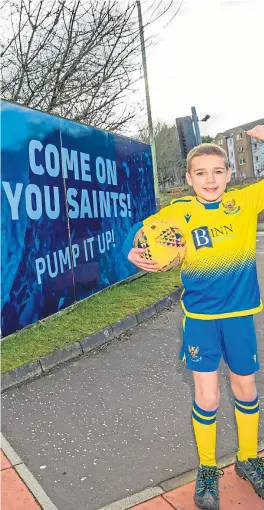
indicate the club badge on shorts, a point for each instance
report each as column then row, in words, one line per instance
column 193, row 353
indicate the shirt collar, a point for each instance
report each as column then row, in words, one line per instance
column 210, row 205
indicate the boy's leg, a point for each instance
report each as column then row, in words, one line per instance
column 207, row 397
column 205, row 407
column 240, row 353
column 247, row 414
column 201, row 351
column 248, row 464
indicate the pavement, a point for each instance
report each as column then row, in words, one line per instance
column 113, row 429
column 15, row 494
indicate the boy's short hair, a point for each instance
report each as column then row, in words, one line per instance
column 206, row 149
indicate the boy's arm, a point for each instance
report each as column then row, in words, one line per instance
column 129, row 241
column 128, row 245
column 255, row 192
column 255, row 196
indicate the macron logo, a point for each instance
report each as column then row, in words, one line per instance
column 187, row 217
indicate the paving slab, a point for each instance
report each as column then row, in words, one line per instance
column 14, row 493
column 154, row 504
column 5, row 464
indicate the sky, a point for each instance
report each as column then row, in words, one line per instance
column 210, row 56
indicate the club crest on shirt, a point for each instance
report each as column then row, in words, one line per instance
column 231, row 207
column 193, row 351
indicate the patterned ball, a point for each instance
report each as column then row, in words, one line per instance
column 163, row 243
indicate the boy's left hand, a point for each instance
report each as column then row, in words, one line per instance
column 257, row 132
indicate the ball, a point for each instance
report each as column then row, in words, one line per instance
column 163, row 243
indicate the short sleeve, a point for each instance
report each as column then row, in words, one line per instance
column 254, row 195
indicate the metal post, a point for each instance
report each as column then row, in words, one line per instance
column 150, row 123
column 196, row 126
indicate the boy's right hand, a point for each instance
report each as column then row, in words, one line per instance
column 257, row 132
column 135, row 256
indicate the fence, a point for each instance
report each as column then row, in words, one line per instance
column 70, row 194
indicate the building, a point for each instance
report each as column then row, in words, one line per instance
column 246, row 155
column 257, row 148
column 231, row 154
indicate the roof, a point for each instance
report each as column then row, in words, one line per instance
column 245, row 127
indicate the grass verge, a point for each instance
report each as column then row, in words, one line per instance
column 85, row 318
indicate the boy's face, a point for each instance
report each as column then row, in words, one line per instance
column 209, row 177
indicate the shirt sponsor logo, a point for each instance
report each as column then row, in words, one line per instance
column 203, row 236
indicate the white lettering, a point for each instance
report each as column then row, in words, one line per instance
column 64, row 258
column 40, row 268
column 111, row 172
column 33, row 192
column 100, row 170
column 32, row 147
column 85, row 167
column 52, row 167
column 73, row 213
column 13, row 199
column 69, row 162
column 75, row 253
column 55, row 272
column 52, row 214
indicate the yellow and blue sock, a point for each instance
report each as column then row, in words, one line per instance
column 247, row 418
column 204, row 424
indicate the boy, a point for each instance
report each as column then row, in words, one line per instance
column 220, row 296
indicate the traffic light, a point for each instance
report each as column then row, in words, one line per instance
column 186, row 135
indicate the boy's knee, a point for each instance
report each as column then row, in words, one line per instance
column 206, row 399
column 244, row 388
column 246, row 394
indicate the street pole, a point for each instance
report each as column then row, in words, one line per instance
column 150, row 123
column 196, row 126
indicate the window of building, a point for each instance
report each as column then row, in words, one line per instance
column 220, row 142
column 241, row 148
column 242, row 161
column 238, row 137
column 229, row 141
column 257, row 158
column 231, row 154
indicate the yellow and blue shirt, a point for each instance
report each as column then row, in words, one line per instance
column 219, row 273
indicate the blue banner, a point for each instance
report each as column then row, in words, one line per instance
column 70, row 194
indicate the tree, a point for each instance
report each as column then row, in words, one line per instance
column 171, row 166
column 207, row 139
column 79, row 59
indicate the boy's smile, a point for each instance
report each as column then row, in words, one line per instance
column 209, row 177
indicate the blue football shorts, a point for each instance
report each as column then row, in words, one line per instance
column 206, row 341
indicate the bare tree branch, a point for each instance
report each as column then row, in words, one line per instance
column 80, row 59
